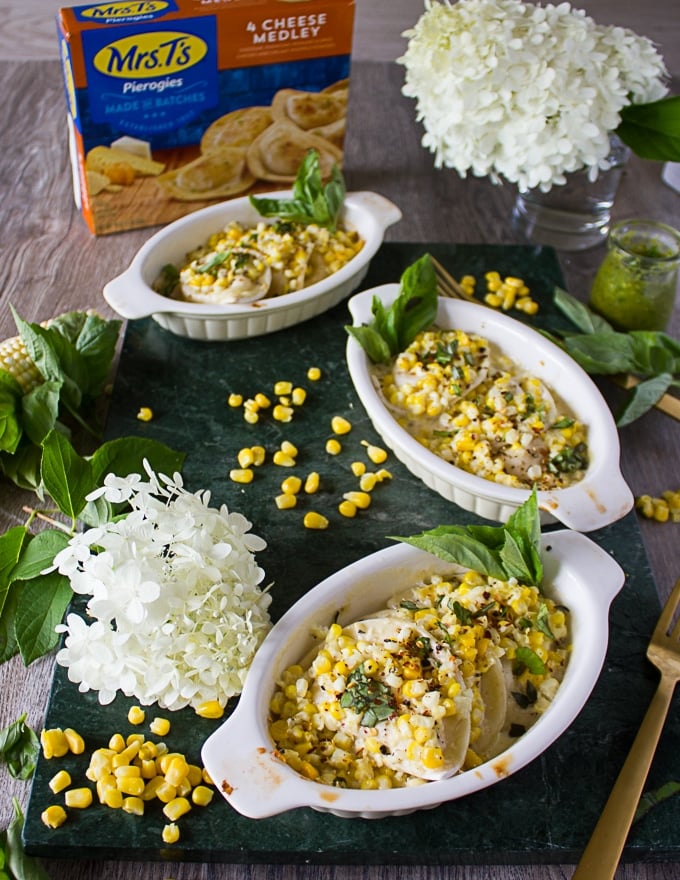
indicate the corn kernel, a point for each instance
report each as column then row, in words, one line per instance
column 241, row 475
column 251, row 417
column 133, row 738
column 282, row 413
column 339, row 425
column 358, row 468
column 112, row 797
column 177, row 770
column 145, row 414
column 78, row 798
column 163, row 790
column 262, row 400
column 136, row 715
column 282, row 387
column 314, row 374
column 60, row 781
column 202, row 795
column 134, row 806
column 298, row 396
column 282, row 459
column 76, row 744
column 160, row 726
column 367, row 482
column 291, row 485
column 53, row 816
column 245, row 457
column 235, row 399
column 376, row 453
column 54, row 743
column 347, row 509
column 117, row 743
column 312, row 483
column 333, row 446
column 361, row 499
column 210, row 709
column 170, row 833
column 314, row 520
column 285, row 501
column 133, row 785
column 176, row 808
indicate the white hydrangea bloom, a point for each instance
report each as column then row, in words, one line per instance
column 527, row 93
column 176, row 603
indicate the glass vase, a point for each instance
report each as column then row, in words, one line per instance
column 635, row 286
column 575, row 215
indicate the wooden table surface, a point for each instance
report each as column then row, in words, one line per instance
column 51, row 263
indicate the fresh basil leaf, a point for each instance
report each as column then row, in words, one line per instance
column 41, row 604
column 652, row 130
column 39, row 554
column 125, row 455
column 579, row 314
column 21, row 866
column 19, row 747
column 643, row 398
column 40, row 410
column 67, row 477
column 542, row 621
column 454, row 544
column 526, row 658
column 606, row 353
column 372, row 342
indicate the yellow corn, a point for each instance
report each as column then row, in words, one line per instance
column 162, row 790
column 333, row 446
column 241, row 475
column 339, row 425
column 358, row 468
column 160, row 726
column 245, row 457
column 367, row 482
column 361, row 499
column 136, row 715
column 177, row 770
column 54, row 743
column 112, row 797
column 134, row 806
column 314, row 374
column 262, row 400
column 170, row 833
column 145, row 414
column 235, row 400
column 348, row 509
column 314, row 520
column 15, row 359
column 285, row 501
column 258, row 455
column 176, row 808
column 202, row 795
column 53, row 816
column 312, row 483
column 298, row 396
column 117, row 743
column 78, row 798
column 291, row 485
column 282, row 387
column 210, row 709
column 282, row 459
column 76, row 744
column 282, row 413
column 60, row 781
column 376, row 453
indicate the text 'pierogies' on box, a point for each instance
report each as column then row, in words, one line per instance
column 176, row 104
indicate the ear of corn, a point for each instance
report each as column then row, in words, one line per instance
column 15, row 359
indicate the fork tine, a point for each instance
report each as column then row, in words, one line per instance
column 668, row 612
column 448, row 285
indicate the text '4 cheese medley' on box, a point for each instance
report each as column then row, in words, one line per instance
column 176, row 104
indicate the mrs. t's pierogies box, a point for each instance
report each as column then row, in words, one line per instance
column 176, row 104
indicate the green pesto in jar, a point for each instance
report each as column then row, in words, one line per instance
column 634, row 288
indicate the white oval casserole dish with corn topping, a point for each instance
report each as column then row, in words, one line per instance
column 241, row 756
column 132, row 296
column 598, row 499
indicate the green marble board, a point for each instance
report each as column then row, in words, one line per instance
column 542, row 814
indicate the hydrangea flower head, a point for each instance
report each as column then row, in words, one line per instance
column 175, row 605
column 525, row 93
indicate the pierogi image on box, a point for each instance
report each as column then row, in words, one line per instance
column 173, row 105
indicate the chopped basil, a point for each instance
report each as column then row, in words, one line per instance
column 372, row 699
column 525, row 658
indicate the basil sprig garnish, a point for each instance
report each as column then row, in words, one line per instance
column 369, row 697
column 395, row 327
column 313, row 201
column 503, row 552
column 652, row 355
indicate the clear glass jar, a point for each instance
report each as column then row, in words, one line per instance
column 635, row 286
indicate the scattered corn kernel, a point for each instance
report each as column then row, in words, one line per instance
column 176, row 808
column 112, row 797
column 160, row 726
column 298, row 396
column 136, row 715
column 367, row 482
column 282, row 387
column 54, row 743
column 348, row 509
column 291, row 485
column 289, row 448
column 245, row 457
column 282, row 413
column 314, row 520
column 76, row 744
column 258, row 455
column 60, row 781
column 333, row 446
column 117, row 743
column 78, row 798
column 53, row 816
column 312, row 483
column 134, row 806
column 202, row 795
column 262, row 400
column 340, row 425
column 145, row 414
column 235, row 400
column 314, row 374
column 170, row 833
column 285, row 501
column 376, row 453
column 282, row 459
column 361, row 499
column 241, row 475
column 210, row 709
column 358, row 468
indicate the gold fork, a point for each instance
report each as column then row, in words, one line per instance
column 604, row 849
column 448, row 286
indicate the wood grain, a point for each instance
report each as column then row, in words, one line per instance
column 51, row 263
